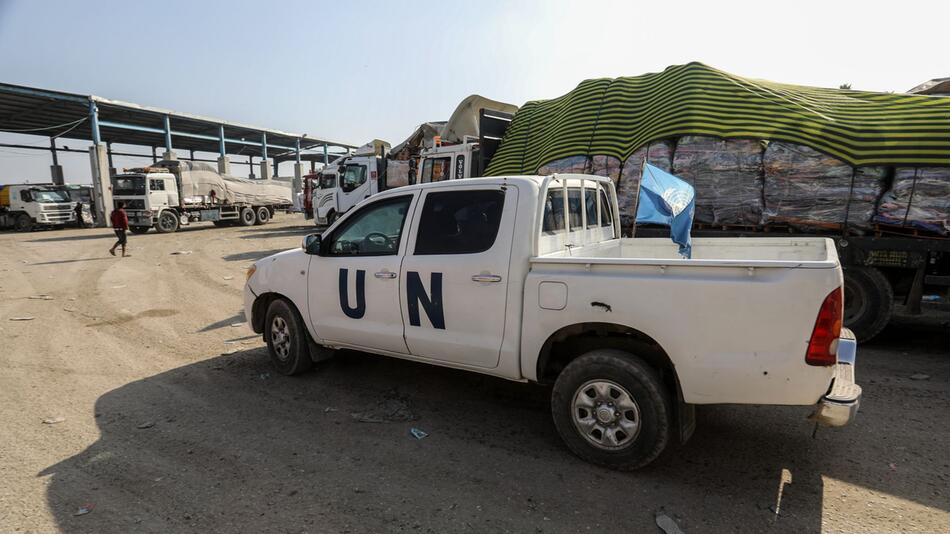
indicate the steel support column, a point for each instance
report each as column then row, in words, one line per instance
column 56, row 172
column 222, row 148
column 94, row 122
column 168, row 133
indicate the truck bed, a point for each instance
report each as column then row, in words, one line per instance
column 802, row 252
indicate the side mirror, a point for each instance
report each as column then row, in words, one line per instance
column 311, row 244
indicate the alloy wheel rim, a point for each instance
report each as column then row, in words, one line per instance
column 605, row 414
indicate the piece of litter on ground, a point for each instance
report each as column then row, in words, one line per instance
column 417, row 433
column 892, row 466
column 236, row 325
column 181, row 252
column 70, row 310
column 667, row 524
column 229, row 352
column 24, row 318
column 228, row 277
column 118, row 287
column 264, row 376
column 40, row 297
column 54, row 420
column 85, row 509
column 329, row 409
column 919, row 376
column 147, row 424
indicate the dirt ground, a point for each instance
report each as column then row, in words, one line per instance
column 163, row 415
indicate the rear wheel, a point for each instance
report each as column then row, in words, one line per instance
column 247, row 217
column 167, row 222
column 286, row 338
column 612, row 409
column 139, row 229
column 868, row 301
column 23, row 223
column 263, row 215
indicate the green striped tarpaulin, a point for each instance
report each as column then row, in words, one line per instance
column 616, row 116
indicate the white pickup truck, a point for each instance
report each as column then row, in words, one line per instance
column 486, row 275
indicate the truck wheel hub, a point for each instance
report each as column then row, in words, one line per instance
column 605, row 414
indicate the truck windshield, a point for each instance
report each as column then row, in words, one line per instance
column 128, row 186
column 49, row 195
column 327, row 181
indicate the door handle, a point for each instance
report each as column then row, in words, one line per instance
column 486, row 278
column 385, row 274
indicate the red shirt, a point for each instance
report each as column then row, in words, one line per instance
column 120, row 221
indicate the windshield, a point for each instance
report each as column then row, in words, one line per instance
column 128, row 186
column 327, row 181
column 46, row 195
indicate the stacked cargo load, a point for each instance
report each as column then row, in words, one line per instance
column 805, row 188
column 658, row 153
column 727, row 177
column 918, row 198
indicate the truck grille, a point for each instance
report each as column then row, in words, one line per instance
column 133, row 204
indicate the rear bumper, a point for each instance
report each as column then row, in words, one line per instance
column 840, row 405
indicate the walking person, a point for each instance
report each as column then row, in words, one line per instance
column 80, row 223
column 120, row 223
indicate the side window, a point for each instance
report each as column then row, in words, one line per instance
column 435, row 170
column 25, row 195
column 553, row 211
column 606, row 218
column 574, row 207
column 156, row 185
column 353, row 177
column 590, row 195
column 374, row 230
column 459, row 222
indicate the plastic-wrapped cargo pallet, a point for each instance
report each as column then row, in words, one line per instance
column 199, row 179
column 727, row 176
column 809, row 189
column 658, row 153
column 573, row 165
column 919, row 198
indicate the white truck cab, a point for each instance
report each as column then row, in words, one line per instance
column 26, row 206
column 449, row 162
column 528, row 279
column 354, row 179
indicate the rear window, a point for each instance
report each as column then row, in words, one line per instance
column 459, row 222
column 554, row 209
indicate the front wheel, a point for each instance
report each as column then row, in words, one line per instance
column 167, row 222
column 23, row 223
column 286, row 338
column 611, row 409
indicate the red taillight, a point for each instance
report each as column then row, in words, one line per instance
column 823, row 345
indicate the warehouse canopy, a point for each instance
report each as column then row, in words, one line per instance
column 35, row 111
column 616, row 116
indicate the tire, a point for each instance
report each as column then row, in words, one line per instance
column 247, row 217
column 641, row 432
column 23, row 223
column 868, row 301
column 167, row 222
column 286, row 338
column 331, row 218
column 139, row 229
column 263, row 216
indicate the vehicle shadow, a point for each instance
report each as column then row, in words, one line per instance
column 228, row 445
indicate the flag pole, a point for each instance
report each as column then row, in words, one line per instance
column 636, row 208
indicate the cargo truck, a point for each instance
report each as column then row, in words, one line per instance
column 171, row 194
column 26, row 207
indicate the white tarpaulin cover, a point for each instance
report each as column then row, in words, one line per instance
column 199, row 179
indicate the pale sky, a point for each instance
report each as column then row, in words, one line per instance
column 354, row 71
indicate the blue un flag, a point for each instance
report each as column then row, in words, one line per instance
column 666, row 199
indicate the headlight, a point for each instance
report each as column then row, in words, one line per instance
column 250, row 272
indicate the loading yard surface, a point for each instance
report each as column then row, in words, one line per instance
column 161, row 415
